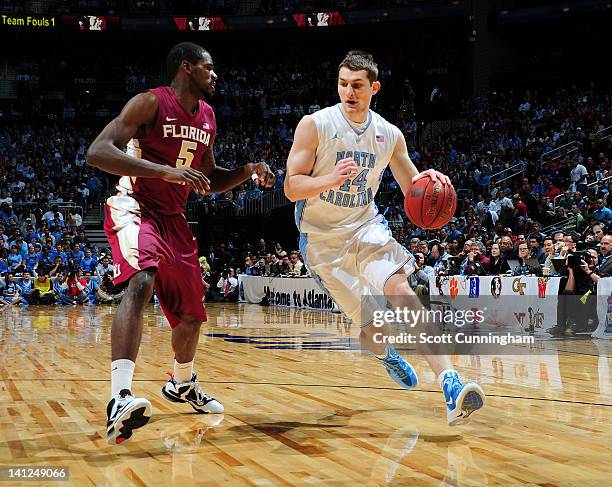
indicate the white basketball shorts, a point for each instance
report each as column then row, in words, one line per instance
column 355, row 267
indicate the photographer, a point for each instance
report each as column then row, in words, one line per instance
column 577, row 307
column 419, row 279
column 227, row 286
column 73, row 289
column 584, row 277
column 439, row 257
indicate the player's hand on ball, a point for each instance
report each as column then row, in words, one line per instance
column 434, row 175
column 187, row 175
column 263, row 175
column 344, row 169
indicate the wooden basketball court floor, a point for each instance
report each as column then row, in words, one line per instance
column 302, row 407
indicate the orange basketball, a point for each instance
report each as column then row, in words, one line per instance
column 430, row 204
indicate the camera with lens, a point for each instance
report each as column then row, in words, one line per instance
column 452, row 266
column 574, row 259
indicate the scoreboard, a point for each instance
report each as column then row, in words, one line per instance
column 33, row 22
column 184, row 23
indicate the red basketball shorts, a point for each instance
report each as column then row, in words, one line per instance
column 141, row 240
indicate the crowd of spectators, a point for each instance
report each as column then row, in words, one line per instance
column 201, row 7
column 43, row 165
column 508, row 185
column 64, row 270
column 257, row 103
column 522, row 210
column 45, row 191
column 221, row 264
column 501, row 155
column 580, row 259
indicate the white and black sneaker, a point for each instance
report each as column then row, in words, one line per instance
column 190, row 392
column 125, row 413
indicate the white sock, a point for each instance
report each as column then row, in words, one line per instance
column 122, row 371
column 443, row 373
column 182, row 372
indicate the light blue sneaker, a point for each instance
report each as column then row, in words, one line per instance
column 461, row 400
column 399, row 370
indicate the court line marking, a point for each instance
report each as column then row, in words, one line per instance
column 333, row 386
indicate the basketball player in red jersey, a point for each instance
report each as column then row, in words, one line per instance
column 169, row 133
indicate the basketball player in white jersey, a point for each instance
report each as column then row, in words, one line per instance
column 334, row 170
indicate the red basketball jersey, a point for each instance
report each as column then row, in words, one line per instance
column 177, row 139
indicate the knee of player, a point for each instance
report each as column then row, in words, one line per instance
column 398, row 287
column 141, row 285
column 189, row 321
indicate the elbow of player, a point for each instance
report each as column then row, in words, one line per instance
column 289, row 192
column 93, row 156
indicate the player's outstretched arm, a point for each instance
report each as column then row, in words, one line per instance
column 222, row 179
column 403, row 169
column 299, row 184
column 106, row 152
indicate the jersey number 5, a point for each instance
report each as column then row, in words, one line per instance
column 359, row 181
column 185, row 157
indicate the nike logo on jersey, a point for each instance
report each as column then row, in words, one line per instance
column 335, row 137
column 168, row 119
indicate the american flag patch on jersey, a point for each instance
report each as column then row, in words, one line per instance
column 380, row 138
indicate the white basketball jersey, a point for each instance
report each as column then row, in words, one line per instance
column 350, row 205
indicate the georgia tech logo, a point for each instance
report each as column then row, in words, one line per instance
column 518, row 286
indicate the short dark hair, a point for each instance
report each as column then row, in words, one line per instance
column 358, row 60
column 185, row 51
